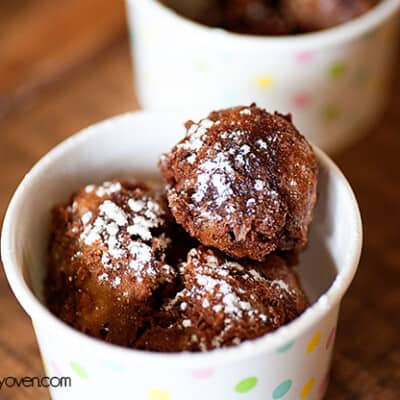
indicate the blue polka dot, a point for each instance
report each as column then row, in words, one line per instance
column 286, row 347
column 282, row 389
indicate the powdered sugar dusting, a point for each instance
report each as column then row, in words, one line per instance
column 214, row 177
column 141, row 227
column 245, row 111
column 262, row 144
column 214, row 280
column 141, row 253
column 245, row 149
column 86, row 217
column 259, row 185
column 102, row 277
column 89, row 188
column 281, row 284
column 136, row 205
column 124, row 234
column 186, row 323
column 113, row 213
column 107, row 188
column 221, row 288
column 194, row 137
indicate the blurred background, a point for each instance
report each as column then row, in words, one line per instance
column 66, row 64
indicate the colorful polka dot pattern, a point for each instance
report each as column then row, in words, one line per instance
column 313, row 343
column 323, row 386
column 203, row 373
column 79, row 370
column 301, row 100
column 337, row 70
column 304, row 57
column 200, row 66
column 319, row 342
column 264, row 81
column 330, row 113
column 55, row 369
column 322, row 86
column 285, row 347
column 282, row 389
column 306, row 101
column 307, row 388
column 331, row 338
column 246, row 385
column 158, row 394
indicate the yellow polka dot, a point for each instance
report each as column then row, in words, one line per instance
column 46, row 367
column 148, row 33
column 200, row 66
column 34, row 324
column 307, row 388
column 147, row 76
column 264, row 81
column 313, row 343
column 158, row 394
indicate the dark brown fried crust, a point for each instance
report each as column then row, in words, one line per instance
column 243, row 181
column 273, row 17
column 312, row 15
column 103, row 278
column 223, row 303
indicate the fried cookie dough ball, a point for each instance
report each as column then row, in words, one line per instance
column 224, row 303
column 108, row 259
column 311, row 15
column 257, row 17
column 244, row 181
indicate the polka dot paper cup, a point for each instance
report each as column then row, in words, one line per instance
column 334, row 82
column 290, row 363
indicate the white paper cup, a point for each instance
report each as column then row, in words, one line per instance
column 334, row 82
column 291, row 363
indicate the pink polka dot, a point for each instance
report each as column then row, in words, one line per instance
column 203, row 373
column 301, row 100
column 55, row 369
column 304, row 57
column 331, row 338
column 323, row 386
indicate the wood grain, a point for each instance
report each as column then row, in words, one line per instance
column 28, row 132
column 90, row 80
column 44, row 39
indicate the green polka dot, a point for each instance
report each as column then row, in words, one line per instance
column 337, row 70
column 361, row 78
column 286, row 347
column 282, row 389
column 247, row 384
column 330, row 113
column 371, row 35
column 80, row 371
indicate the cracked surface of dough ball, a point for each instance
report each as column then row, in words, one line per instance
column 223, row 303
column 256, row 17
column 108, row 259
column 311, row 15
column 243, row 181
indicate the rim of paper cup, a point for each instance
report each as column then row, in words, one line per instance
column 42, row 317
column 347, row 30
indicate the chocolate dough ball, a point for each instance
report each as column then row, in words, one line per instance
column 311, row 15
column 224, row 303
column 257, row 17
column 108, row 256
column 244, row 181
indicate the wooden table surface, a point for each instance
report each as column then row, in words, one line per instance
column 65, row 65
